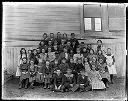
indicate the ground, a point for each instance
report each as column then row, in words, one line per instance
column 116, row 91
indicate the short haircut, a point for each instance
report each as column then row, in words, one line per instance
column 99, row 41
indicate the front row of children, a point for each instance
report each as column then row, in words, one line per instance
column 65, row 76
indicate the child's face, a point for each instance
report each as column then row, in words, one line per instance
column 62, row 41
column 63, row 61
column 99, row 43
column 24, row 60
column 32, row 62
column 93, row 67
column 85, row 59
column 71, row 61
column 47, row 63
column 23, row 51
column 78, row 50
column 58, row 71
column 65, row 50
column 49, row 49
column 29, row 52
column 71, row 51
column 51, row 35
column 43, row 51
column 56, row 62
column 42, row 43
column 79, row 61
column 109, row 51
column 50, row 42
column 84, row 49
column 44, row 36
column 74, row 43
column 35, row 51
column 91, row 51
column 38, row 50
column 69, row 71
column 68, row 43
column 99, row 52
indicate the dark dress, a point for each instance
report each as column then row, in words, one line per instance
column 79, row 67
column 63, row 67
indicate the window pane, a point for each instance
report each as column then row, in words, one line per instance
column 87, row 22
column 97, row 24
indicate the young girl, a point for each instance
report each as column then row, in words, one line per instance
column 24, row 76
column 50, row 54
column 29, row 55
column 84, row 52
column 42, row 45
column 78, row 55
column 34, row 56
column 96, row 79
column 23, row 54
column 32, row 72
column 110, row 60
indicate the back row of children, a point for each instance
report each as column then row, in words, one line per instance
column 63, row 64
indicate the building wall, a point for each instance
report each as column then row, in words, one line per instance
column 25, row 24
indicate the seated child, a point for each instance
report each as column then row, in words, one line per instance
column 57, row 84
column 32, row 73
column 47, row 73
column 68, row 81
column 96, row 80
column 24, row 77
column 83, row 81
column 104, row 72
column 63, row 66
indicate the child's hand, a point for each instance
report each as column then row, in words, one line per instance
column 55, row 87
column 71, row 85
column 59, row 87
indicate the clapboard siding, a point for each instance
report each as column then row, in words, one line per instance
column 37, row 19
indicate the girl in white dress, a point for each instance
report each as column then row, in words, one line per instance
column 110, row 60
column 96, row 80
column 23, row 54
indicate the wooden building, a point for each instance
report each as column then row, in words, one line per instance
column 25, row 23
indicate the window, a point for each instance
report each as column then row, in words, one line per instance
column 92, row 24
column 97, row 24
column 87, row 22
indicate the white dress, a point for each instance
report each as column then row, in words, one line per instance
column 96, row 80
column 110, row 66
column 18, row 73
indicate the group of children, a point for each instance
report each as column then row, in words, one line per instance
column 62, row 64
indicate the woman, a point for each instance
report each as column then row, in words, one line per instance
column 23, row 54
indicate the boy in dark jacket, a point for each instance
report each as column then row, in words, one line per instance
column 83, row 81
column 79, row 65
column 68, row 81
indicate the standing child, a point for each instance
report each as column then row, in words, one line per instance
column 24, row 67
column 43, row 55
column 50, row 54
column 23, row 54
column 86, row 65
column 29, row 55
column 32, row 72
column 110, row 60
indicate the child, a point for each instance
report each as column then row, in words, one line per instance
column 110, row 60
column 50, row 44
column 32, row 72
column 100, row 55
column 29, row 55
column 55, row 48
column 50, row 54
column 52, row 38
column 47, row 72
column 23, row 54
column 58, row 38
column 57, row 81
column 42, row 45
column 64, row 54
column 104, row 72
column 43, row 55
column 79, row 65
column 84, row 52
column 24, row 67
column 71, row 53
column 83, row 81
column 68, row 81
column 45, row 39
column 74, row 47
column 78, row 55
column 96, row 79
column 35, row 56
column 86, row 65
column 63, row 66
column 68, row 46
column 40, row 71
column 62, row 45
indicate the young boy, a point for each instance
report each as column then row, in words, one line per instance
column 32, row 72
column 24, row 77
column 83, row 81
column 47, row 73
column 68, row 81
column 57, row 78
column 110, row 60
column 63, row 66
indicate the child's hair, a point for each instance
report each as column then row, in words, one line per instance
column 99, row 41
column 72, row 34
column 21, row 52
column 108, row 48
column 41, row 42
column 45, row 34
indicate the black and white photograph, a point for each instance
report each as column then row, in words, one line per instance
column 64, row 51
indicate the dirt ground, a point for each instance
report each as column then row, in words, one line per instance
column 116, row 91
